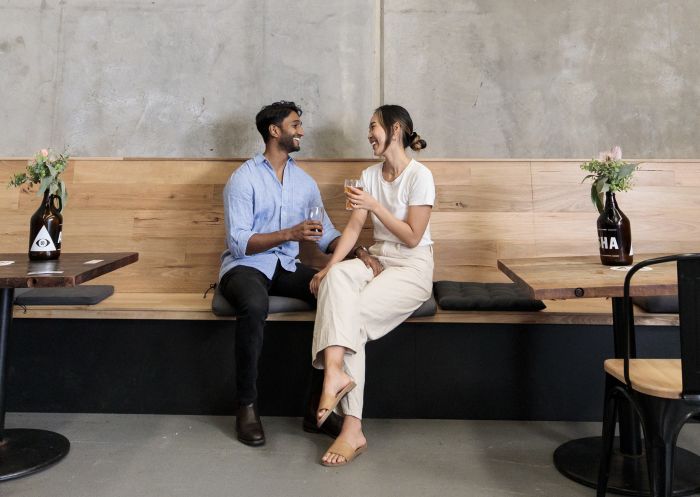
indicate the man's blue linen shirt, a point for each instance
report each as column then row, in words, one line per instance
column 256, row 202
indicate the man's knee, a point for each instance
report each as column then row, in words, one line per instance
column 253, row 307
column 246, row 293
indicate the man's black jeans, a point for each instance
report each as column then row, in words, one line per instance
column 248, row 290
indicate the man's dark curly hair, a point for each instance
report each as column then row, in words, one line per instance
column 274, row 114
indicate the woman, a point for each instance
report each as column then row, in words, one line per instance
column 365, row 298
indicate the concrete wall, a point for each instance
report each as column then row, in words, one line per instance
column 482, row 78
column 547, row 78
column 182, row 77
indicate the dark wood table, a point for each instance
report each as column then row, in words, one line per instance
column 25, row 451
column 586, row 277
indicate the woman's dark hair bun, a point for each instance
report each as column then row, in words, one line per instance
column 416, row 142
column 388, row 115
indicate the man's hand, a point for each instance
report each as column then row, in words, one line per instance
column 310, row 231
column 370, row 261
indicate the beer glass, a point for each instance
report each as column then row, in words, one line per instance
column 354, row 183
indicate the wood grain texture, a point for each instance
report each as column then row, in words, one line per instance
column 170, row 211
column 192, row 306
column 574, row 277
column 66, row 271
column 656, row 377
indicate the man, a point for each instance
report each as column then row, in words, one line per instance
column 265, row 203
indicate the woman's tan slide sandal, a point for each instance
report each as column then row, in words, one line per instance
column 345, row 450
column 329, row 402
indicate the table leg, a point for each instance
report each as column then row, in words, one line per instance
column 22, row 451
column 579, row 459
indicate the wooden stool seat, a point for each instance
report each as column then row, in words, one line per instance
column 655, row 377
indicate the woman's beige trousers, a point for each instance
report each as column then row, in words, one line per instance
column 354, row 307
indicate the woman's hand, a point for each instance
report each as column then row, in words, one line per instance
column 360, row 199
column 317, row 279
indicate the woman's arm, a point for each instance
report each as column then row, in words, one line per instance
column 351, row 233
column 409, row 232
column 345, row 244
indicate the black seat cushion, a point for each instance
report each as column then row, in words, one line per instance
column 469, row 296
column 221, row 307
column 663, row 304
column 427, row 308
column 76, row 295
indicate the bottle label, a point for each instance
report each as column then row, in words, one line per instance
column 43, row 242
column 609, row 243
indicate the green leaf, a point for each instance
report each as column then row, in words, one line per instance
column 64, row 192
column 595, row 198
column 627, row 170
column 18, row 179
column 45, row 182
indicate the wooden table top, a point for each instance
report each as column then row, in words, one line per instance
column 17, row 271
column 584, row 276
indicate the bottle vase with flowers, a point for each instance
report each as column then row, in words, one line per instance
column 46, row 224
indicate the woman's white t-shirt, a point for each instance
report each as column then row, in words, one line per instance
column 414, row 186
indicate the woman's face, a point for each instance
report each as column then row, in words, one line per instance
column 377, row 136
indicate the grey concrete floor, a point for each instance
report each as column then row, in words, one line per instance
column 154, row 455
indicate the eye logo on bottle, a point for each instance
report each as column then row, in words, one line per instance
column 42, row 242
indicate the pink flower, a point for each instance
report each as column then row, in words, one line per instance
column 44, row 152
column 613, row 154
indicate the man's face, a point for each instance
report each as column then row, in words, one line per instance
column 291, row 132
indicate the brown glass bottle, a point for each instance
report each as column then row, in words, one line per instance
column 45, row 229
column 614, row 234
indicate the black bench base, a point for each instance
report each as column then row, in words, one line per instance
column 421, row 370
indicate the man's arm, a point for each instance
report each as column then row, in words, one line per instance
column 239, row 217
column 304, row 231
column 238, row 213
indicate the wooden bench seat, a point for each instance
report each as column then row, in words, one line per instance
column 170, row 211
column 191, row 306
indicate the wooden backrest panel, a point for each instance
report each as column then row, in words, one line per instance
column 170, row 211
